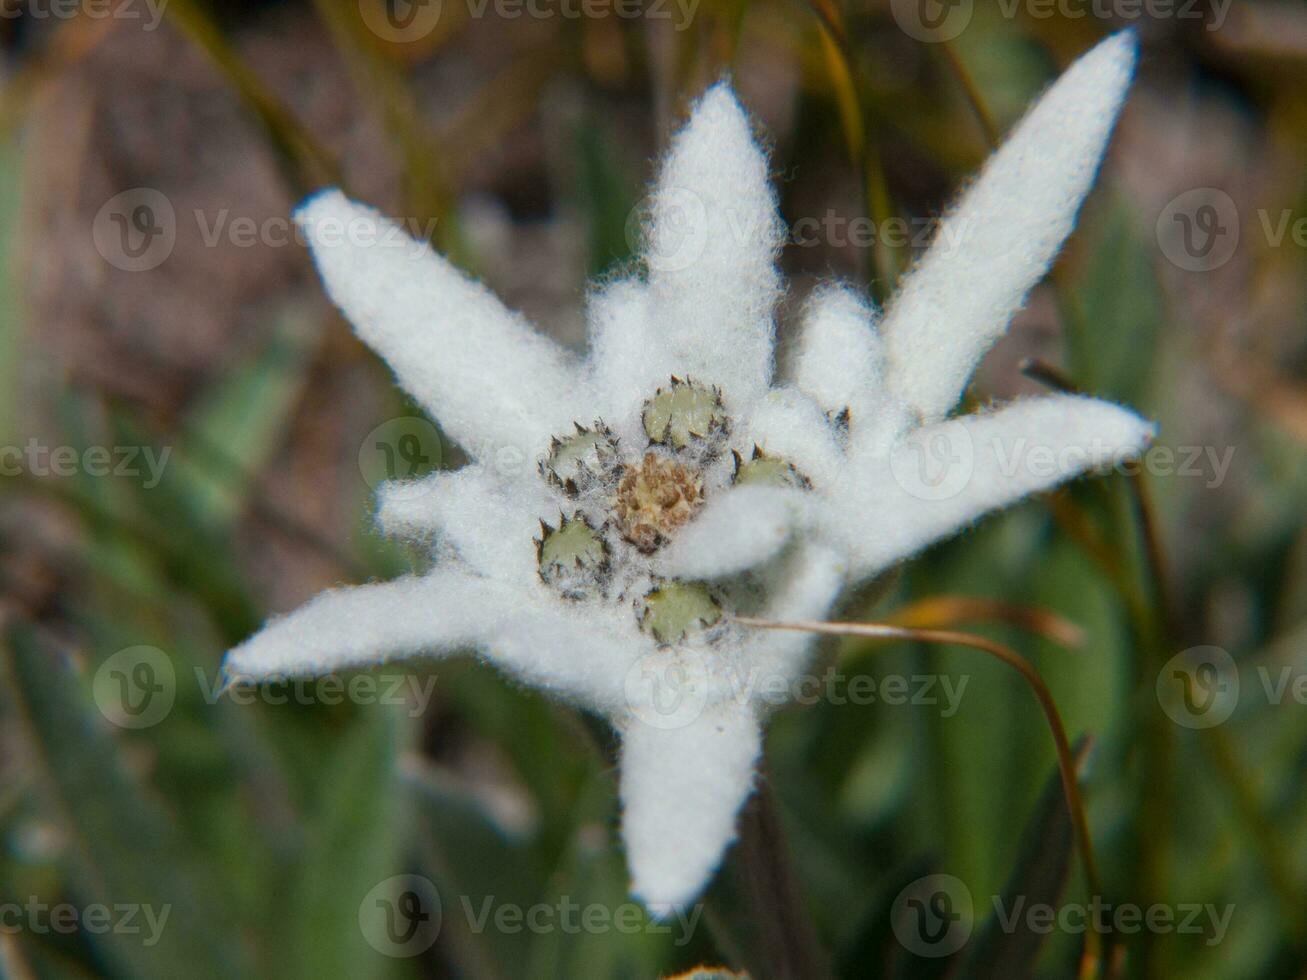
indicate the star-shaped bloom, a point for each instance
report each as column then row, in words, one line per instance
column 620, row 510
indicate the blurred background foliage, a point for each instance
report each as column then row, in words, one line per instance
column 522, row 143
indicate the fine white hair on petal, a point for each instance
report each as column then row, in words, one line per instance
column 489, row 518
column 681, row 790
column 946, row 475
column 1004, row 233
column 626, row 361
column 407, row 508
column 577, row 651
column 840, row 355
column 362, row 625
column 479, row 369
column 713, row 239
column 787, row 424
column 737, row 529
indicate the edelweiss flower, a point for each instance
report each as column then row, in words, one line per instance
column 620, row 509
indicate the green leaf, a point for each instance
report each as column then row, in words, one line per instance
column 10, row 316
column 352, row 842
column 984, row 752
column 240, row 420
column 125, row 846
column 478, row 865
column 1039, row 877
column 591, row 879
column 605, row 196
column 1112, row 339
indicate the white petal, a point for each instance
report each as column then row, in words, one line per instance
column 490, row 518
column 737, row 530
column 944, row 476
column 1003, row 234
column 713, row 240
column 681, row 790
column 573, row 650
column 839, row 361
column 480, row 370
column 789, row 425
column 627, row 361
column 410, row 508
column 578, row 651
column 369, row 624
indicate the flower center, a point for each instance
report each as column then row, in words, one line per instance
column 654, row 499
column 618, row 504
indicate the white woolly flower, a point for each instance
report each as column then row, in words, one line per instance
column 619, row 510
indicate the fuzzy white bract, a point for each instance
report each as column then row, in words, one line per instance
column 619, row 509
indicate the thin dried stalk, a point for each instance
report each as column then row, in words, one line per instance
column 1092, row 955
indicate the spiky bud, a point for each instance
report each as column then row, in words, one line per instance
column 579, row 461
column 767, row 471
column 684, row 414
column 572, row 557
column 675, row 609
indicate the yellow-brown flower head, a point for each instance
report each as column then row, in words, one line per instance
column 654, row 499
